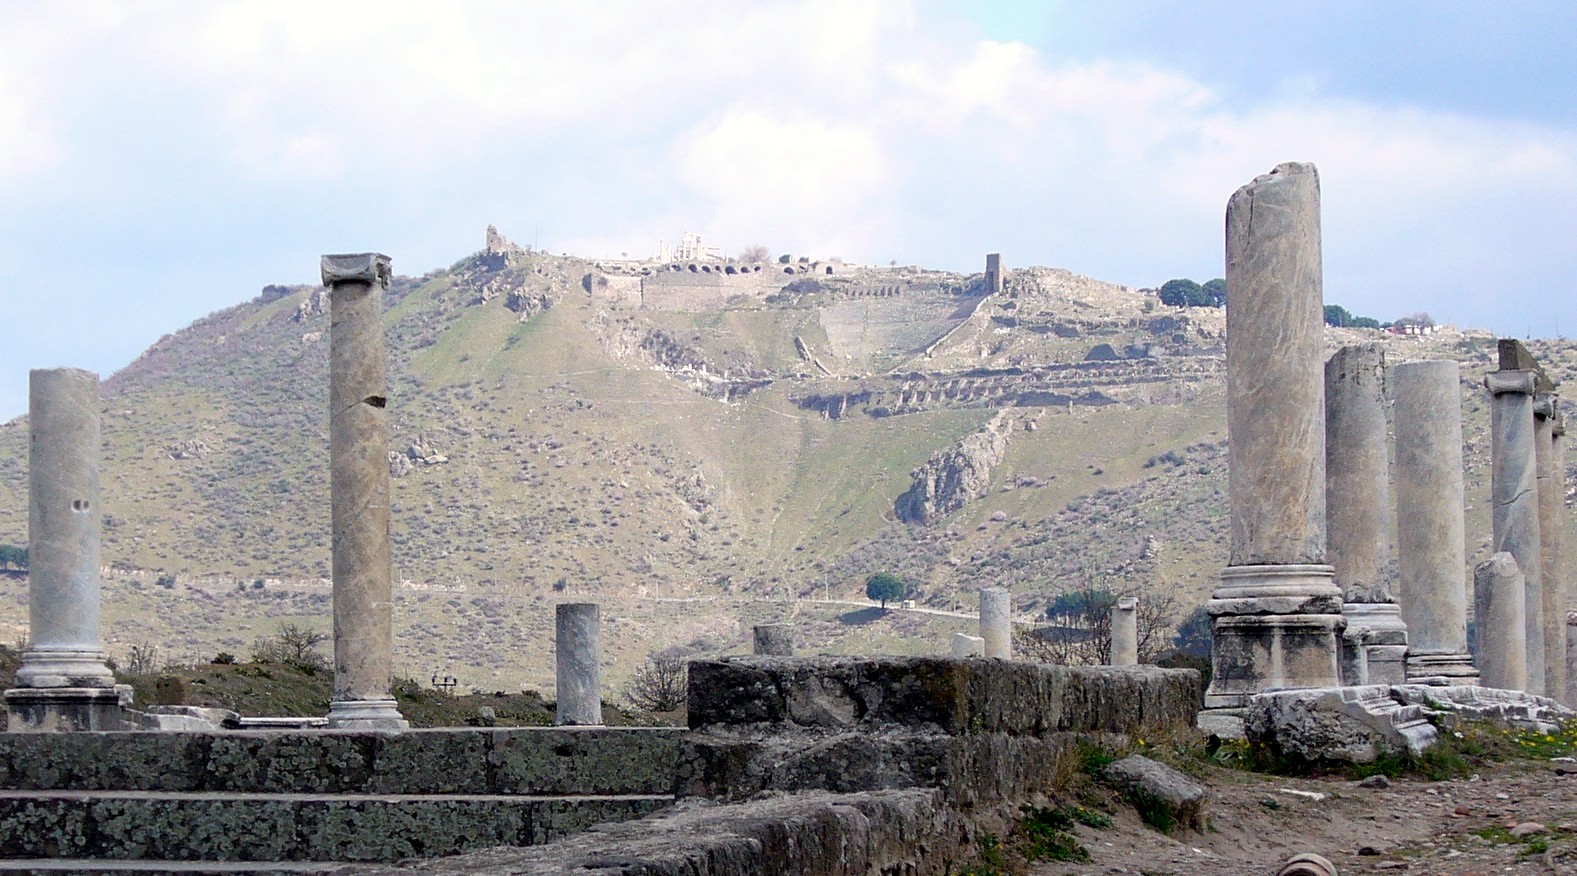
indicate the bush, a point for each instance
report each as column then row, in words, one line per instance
column 661, row 685
column 294, row 646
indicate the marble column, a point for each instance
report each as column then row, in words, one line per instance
column 1277, row 612
column 578, row 651
column 64, row 682
column 1431, row 545
column 1498, row 597
column 965, row 645
column 1357, row 516
column 1515, row 498
column 359, row 486
column 1551, row 479
column 1125, row 632
column 996, row 622
column 776, row 640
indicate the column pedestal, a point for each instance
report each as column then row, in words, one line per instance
column 1374, row 646
column 1273, row 627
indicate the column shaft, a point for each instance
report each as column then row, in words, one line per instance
column 1515, row 499
column 1431, row 545
column 1125, row 632
column 578, row 651
column 359, row 484
column 1552, row 506
column 996, row 622
column 1498, row 607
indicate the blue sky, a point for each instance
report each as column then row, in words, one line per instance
column 159, row 161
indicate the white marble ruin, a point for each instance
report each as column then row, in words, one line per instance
column 578, row 652
column 996, row 622
column 1431, row 544
column 64, row 682
column 1515, row 498
column 1125, row 632
column 363, row 567
column 1276, row 614
column 1498, row 605
column 1358, row 511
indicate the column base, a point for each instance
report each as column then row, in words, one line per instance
column 1374, row 646
column 1441, row 669
column 380, row 714
column 1221, row 723
column 1273, row 627
column 64, row 668
column 68, row 709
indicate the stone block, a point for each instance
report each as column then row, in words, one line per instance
column 141, row 761
column 602, row 760
column 1162, row 794
column 430, row 762
column 307, row 762
column 1344, row 724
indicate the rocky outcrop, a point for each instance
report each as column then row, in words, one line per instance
column 952, row 479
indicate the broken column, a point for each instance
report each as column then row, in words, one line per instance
column 1551, row 477
column 1498, row 608
column 996, row 622
column 1125, row 632
column 1431, row 549
column 965, row 645
column 359, row 484
column 1514, row 488
column 578, row 650
column 1277, row 612
column 1358, row 510
column 776, row 640
column 64, row 682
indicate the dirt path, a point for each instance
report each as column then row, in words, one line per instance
column 1412, row 827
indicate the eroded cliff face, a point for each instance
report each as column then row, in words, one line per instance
column 953, row 478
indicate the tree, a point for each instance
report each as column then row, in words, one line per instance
column 661, row 685
column 1180, row 293
column 295, row 646
column 755, row 255
column 143, row 659
column 1215, row 292
column 886, row 587
column 1193, row 634
column 1337, row 315
column 13, row 557
column 1078, row 625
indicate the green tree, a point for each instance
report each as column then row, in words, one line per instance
column 1337, row 315
column 885, row 587
column 1215, row 292
column 13, row 557
column 1180, row 293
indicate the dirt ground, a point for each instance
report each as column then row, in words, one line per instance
column 1459, row 827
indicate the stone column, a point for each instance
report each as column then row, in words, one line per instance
column 359, row 485
column 1125, row 632
column 1431, row 546
column 579, row 654
column 1277, row 612
column 1551, row 478
column 1357, row 519
column 1498, row 607
column 64, row 682
column 1515, row 498
column 776, row 640
column 965, row 645
column 996, row 622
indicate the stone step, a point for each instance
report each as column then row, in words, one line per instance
column 207, row 826
column 90, row 867
column 526, row 760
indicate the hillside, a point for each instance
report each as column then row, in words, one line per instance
column 698, row 452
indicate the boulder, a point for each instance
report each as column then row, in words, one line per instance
column 1164, row 797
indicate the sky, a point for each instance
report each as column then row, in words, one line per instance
column 163, row 160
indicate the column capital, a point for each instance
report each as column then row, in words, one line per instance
column 1546, row 405
column 359, row 267
column 1504, row 382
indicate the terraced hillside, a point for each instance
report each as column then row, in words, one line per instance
column 695, row 470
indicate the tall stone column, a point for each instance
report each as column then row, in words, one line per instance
column 1498, row 607
column 359, row 483
column 578, row 652
column 996, row 622
column 1551, row 479
column 1431, row 545
column 1277, row 612
column 1125, row 632
column 1514, row 495
column 64, row 682
column 1357, row 518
